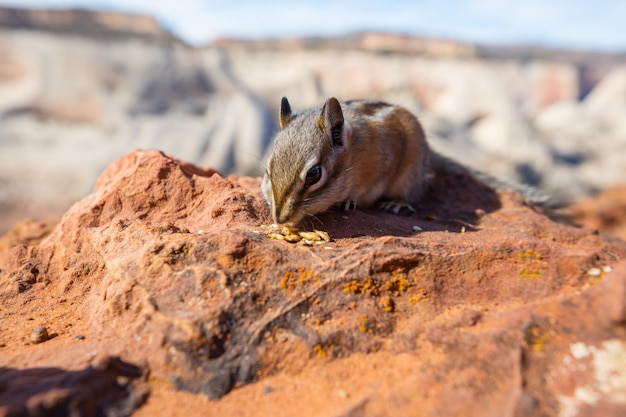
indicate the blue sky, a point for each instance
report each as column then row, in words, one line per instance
column 589, row 24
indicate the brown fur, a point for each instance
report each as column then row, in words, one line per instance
column 369, row 152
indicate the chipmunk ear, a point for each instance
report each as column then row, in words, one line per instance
column 331, row 121
column 286, row 115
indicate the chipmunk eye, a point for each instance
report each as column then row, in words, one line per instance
column 313, row 176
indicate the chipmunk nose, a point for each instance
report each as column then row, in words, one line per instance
column 283, row 215
column 280, row 218
column 283, row 212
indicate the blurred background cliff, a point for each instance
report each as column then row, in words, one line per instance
column 81, row 87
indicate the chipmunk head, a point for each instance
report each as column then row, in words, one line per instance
column 303, row 174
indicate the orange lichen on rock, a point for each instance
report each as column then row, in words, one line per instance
column 533, row 264
column 367, row 286
column 320, row 351
column 399, row 281
column 286, row 281
column 388, row 304
column 303, row 275
column 530, row 254
column 526, row 273
column 352, row 287
column 363, row 323
column 416, row 299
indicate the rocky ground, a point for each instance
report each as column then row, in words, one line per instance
column 162, row 294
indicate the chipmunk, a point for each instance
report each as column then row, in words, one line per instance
column 355, row 154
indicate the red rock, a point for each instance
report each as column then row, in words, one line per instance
column 605, row 211
column 100, row 389
column 25, row 232
column 168, row 267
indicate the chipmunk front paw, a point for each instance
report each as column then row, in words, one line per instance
column 396, row 207
column 349, row 205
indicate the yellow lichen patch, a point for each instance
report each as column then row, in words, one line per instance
column 421, row 295
column 302, row 276
column 526, row 273
column 321, row 352
column 415, row 299
column 352, row 287
column 535, row 338
column 388, row 304
column 530, row 254
column 362, row 324
column 533, row 264
column 399, row 281
column 368, row 286
column 306, row 275
column 286, row 281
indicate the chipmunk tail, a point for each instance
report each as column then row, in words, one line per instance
column 549, row 204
